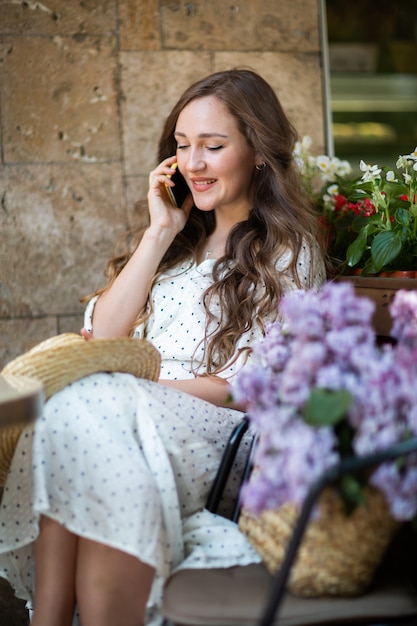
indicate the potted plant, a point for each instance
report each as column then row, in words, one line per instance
column 373, row 218
column 371, row 221
column 320, row 389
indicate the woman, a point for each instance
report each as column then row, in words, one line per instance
column 122, row 467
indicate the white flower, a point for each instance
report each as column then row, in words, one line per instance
column 297, row 149
column 329, row 198
column 391, row 177
column 330, row 167
column 311, row 162
column 344, row 168
column 405, row 160
column 371, row 171
column 323, row 162
column 402, row 162
column 302, row 148
column 408, row 179
column 299, row 162
column 333, row 190
column 306, row 142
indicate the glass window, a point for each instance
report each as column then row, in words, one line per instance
column 372, row 57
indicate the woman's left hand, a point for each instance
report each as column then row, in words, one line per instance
column 86, row 334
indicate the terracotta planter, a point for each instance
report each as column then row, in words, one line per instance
column 399, row 274
column 381, row 289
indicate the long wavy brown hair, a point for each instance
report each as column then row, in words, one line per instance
column 246, row 283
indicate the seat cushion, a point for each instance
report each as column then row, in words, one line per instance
column 237, row 596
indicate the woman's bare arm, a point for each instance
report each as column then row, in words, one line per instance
column 210, row 388
column 119, row 306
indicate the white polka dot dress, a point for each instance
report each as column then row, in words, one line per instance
column 128, row 462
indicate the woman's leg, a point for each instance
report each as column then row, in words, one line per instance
column 109, row 586
column 55, row 559
column 112, row 587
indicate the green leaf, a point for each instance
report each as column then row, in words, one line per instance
column 359, row 187
column 351, row 492
column 356, row 249
column 368, row 269
column 394, row 189
column 359, row 222
column 385, row 248
column 326, row 408
column 402, row 216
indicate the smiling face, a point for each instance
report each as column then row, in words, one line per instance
column 215, row 158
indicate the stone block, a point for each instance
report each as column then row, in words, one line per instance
column 59, row 99
column 240, row 25
column 28, row 17
column 20, row 335
column 136, row 188
column 139, row 25
column 59, row 226
column 70, row 323
column 151, row 84
column 296, row 80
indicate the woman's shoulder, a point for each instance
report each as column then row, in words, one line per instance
column 309, row 265
column 178, row 269
column 309, row 250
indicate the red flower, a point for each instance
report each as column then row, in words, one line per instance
column 362, row 207
column 405, row 198
column 368, row 208
column 340, row 202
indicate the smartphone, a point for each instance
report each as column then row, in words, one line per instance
column 181, row 190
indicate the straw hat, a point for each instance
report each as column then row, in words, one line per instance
column 63, row 359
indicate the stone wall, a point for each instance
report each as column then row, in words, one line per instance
column 84, row 87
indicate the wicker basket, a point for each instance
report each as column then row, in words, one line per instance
column 338, row 555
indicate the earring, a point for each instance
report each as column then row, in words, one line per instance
column 261, row 166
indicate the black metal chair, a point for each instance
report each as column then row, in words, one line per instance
column 250, row 596
column 226, row 463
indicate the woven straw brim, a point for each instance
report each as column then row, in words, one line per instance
column 339, row 554
column 63, row 359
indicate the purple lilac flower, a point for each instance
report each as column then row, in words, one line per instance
column 399, row 485
column 275, row 349
column 344, row 308
column 342, row 341
column 326, row 341
column 252, row 384
column 287, row 464
column 403, row 310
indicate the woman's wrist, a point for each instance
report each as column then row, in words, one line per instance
column 159, row 236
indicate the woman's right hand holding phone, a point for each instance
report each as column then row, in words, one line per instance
column 117, row 309
column 163, row 215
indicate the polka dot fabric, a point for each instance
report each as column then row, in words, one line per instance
column 129, row 462
column 118, row 460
